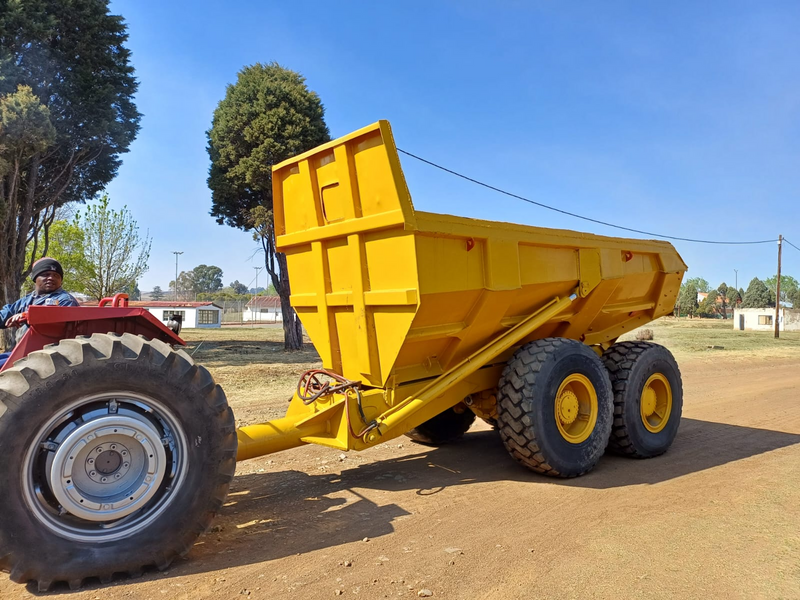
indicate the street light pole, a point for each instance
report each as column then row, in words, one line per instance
column 258, row 270
column 176, row 273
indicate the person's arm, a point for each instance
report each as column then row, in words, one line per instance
column 9, row 310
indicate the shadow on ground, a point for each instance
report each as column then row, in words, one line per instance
column 273, row 515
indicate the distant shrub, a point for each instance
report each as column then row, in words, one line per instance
column 644, row 335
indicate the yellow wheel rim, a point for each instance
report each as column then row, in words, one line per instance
column 576, row 408
column 656, row 403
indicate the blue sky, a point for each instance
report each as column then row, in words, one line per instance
column 680, row 118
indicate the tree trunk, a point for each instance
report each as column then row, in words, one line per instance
column 292, row 328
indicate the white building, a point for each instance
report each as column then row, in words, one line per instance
column 195, row 315
column 263, row 309
column 763, row 319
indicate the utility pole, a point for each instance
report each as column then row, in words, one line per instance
column 737, row 278
column 176, row 273
column 778, row 292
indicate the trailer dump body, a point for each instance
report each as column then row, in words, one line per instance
column 391, row 295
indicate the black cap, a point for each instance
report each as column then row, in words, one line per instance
column 46, row 264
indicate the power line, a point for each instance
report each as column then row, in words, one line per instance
column 791, row 244
column 577, row 216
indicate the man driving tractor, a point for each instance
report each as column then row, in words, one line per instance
column 47, row 275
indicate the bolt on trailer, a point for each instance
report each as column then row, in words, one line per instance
column 424, row 322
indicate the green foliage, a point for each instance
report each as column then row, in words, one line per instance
column 757, row 295
column 66, row 97
column 25, row 128
column 734, row 298
column 133, row 291
column 789, row 286
column 687, row 299
column 238, row 288
column 708, row 307
column 206, row 278
column 700, row 284
column 722, row 291
column 203, row 279
column 66, row 243
column 116, row 254
column 158, row 293
column 267, row 116
column 794, row 298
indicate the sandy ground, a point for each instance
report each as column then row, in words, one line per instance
column 716, row 517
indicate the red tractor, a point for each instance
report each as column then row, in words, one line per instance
column 117, row 450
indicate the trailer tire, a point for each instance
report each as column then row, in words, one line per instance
column 445, row 427
column 648, row 398
column 555, row 407
column 116, row 453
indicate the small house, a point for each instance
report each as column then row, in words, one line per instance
column 195, row 315
column 263, row 309
column 763, row 319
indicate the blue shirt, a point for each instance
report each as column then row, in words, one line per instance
column 56, row 298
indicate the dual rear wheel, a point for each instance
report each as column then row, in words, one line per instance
column 560, row 405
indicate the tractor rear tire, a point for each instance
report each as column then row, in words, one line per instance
column 648, row 398
column 445, row 427
column 115, row 454
column 555, row 407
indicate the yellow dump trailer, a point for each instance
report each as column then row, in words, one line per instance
column 427, row 320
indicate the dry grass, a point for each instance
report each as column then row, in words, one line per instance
column 259, row 377
column 250, row 364
column 689, row 339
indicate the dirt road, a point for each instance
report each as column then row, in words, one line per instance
column 716, row 517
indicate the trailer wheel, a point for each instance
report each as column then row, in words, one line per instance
column 648, row 398
column 444, row 427
column 117, row 451
column 555, row 407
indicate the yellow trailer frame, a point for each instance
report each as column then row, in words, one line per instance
column 424, row 310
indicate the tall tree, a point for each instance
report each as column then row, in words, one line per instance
column 267, row 116
column 734, row 298
column 722, row 291
column 157, row 294
column 757, row 295
column 206, row 279
column 687, row 300
column 238, row 288
column 116, row 254
column 708, row 307
column 185, row 286
column 788, row 286
column 700, row 284
column 794, row 298
column 66, row 104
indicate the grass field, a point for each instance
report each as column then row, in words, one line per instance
column 689, row 339
column 259, row 377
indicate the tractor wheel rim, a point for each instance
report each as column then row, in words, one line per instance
column 576, row 408
column 655, row 404
column 105, row 467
